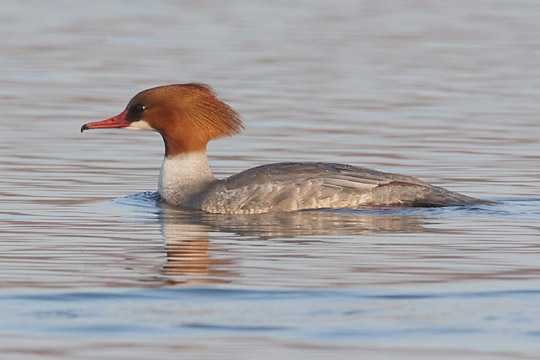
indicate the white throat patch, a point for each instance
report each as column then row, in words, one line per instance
column 139, row 125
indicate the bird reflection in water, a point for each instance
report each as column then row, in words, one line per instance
column 196, row 256
column 187, row 247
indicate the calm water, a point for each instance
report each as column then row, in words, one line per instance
column 93, row 267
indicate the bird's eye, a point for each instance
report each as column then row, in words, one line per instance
column 135, row 112
column 139, row 108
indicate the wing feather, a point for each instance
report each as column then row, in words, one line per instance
column 294, row 186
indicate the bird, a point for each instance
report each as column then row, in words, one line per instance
column 188, row 116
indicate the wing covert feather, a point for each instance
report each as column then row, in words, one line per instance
column 296, row 186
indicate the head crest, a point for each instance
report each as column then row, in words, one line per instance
column 212, row 116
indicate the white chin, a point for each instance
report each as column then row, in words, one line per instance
column 139, row 125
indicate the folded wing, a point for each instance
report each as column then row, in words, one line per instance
column 296, row 186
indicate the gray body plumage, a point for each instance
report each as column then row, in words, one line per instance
column 297, row 186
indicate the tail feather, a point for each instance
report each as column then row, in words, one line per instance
column 422, row 196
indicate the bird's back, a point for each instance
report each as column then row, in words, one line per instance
column 297, row 186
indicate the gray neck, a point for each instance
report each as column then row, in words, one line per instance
column 183, row 176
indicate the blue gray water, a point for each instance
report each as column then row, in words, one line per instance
column 93, row 266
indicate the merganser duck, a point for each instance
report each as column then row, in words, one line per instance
column 188, row 116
